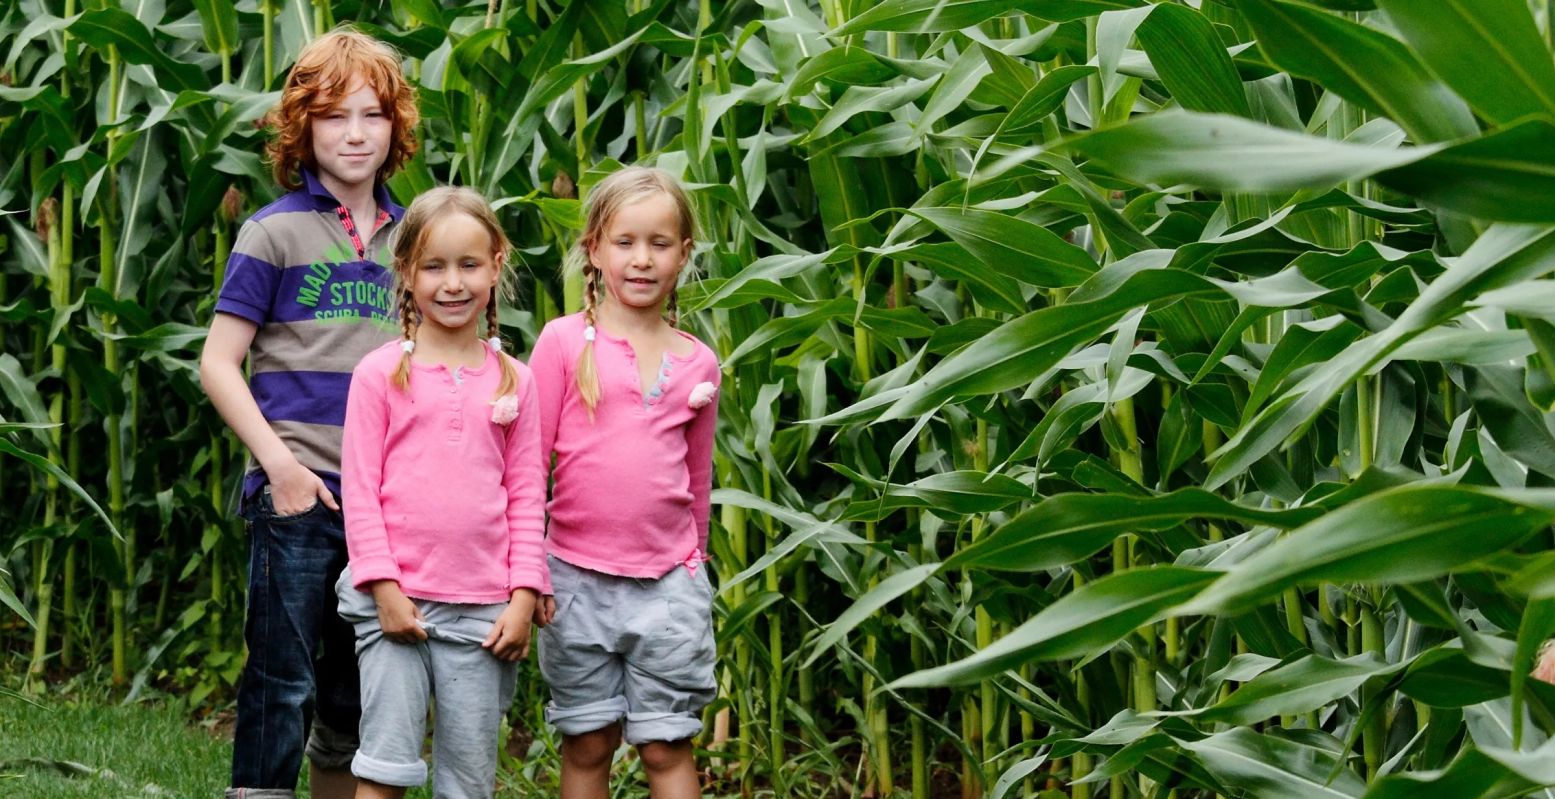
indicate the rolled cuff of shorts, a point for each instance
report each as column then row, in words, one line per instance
column 329, row 748
column 399, row 775
column 260, row 793
column 642, row 728
column 588, row 718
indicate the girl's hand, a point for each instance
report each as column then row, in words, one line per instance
column 545, row 610
column 397, row 615
column 509, row 637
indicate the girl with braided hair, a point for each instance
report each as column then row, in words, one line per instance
column 626, row 408
column 444, row 506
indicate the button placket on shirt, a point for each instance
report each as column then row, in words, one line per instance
column 635, row 383
column 455, row 408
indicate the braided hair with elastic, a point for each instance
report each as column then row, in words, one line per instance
column 588, row 375
column 609, row 196
column 409, row 319
column 494, row 333
column 410, row 240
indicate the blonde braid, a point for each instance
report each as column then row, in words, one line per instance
column 674, row 307
column 588, row 373
column 492, row 331
column 408, row 323
column 509, row 382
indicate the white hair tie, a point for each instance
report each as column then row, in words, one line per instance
column 588, row 333
column 408, row 346
column 495, row 342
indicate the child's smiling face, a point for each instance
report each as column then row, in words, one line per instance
column 640, row 252
column 351, row 140
column 455, row 273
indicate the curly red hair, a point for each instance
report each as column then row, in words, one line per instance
column 325, row 72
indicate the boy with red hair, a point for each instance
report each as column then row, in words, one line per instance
column 306, row 295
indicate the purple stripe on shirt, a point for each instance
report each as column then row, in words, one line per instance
column 249, row 287
column 308, row 397
column 291, row 202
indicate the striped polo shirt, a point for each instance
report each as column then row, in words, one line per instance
column 320, row 306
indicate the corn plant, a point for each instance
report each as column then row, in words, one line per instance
column 1122, row 398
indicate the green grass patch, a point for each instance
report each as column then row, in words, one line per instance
column 74, row 747
column 79, row 743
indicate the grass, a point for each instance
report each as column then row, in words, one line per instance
column 69, row 747
column 86, row 746
column 78, row 740
column 73, row 747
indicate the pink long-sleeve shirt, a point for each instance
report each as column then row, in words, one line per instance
column 437, row 495
column 631, row 486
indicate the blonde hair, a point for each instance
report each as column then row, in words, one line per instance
column 325, row 70
column 409, row 243
column 609, row 196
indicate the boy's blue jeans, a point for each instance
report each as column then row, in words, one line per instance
column 301, row 669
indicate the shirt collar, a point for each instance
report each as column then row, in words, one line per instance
column 327, row 201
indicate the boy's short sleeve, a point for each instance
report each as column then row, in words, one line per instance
column 253, row 272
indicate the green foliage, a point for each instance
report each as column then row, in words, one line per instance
column 1086, row 359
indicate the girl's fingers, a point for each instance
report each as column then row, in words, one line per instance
column 410, row 632
column 545, row 610
column 512, row 647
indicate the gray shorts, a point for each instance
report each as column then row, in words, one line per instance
column 628, row 647
column 473, row 688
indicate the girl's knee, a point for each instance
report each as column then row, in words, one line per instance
column 666, row 755
column 591, row 750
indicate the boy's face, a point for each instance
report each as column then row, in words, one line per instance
column 351, row 141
